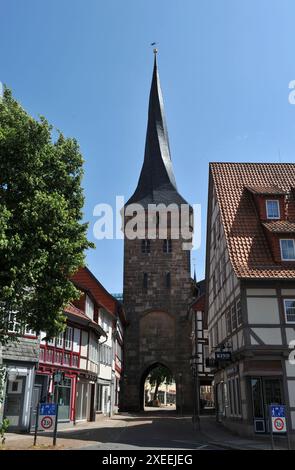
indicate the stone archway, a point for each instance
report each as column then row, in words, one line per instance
column 146, row 371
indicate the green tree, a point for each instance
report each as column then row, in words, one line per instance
column 42, row 239
column 158, row 376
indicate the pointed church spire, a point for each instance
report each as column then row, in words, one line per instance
column 156, row 182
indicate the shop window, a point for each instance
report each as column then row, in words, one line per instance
column 238, row 395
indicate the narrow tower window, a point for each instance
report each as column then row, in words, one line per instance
column 167, row 246
column 168, row 280
column 145, row 280
column 145, row 246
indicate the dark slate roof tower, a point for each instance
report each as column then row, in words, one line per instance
column 156, row 182
column 157, row 281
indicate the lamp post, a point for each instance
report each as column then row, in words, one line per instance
column 196, row 401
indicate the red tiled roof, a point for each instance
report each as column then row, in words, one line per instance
column 248, row 247
column 75, row 311
column 280, row 226
column 84, row 279
column 266, row 190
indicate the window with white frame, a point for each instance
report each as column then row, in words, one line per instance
column 288, row 249
column 272, row 209
column 59, row 340
column 289, row 305
column 68, row 337
column 89, row 308
column 239, row 313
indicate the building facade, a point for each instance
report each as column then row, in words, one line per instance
column 80, row 369
column 109, row 314
column 157, row 280
column 250, row 284
column 69, row 365
column 20, row 360
column 200, row 351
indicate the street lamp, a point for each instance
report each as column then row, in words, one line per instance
column 196, row 401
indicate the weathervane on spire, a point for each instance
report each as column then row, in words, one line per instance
column 155, row 49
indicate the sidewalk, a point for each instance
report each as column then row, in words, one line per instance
column 218, row 435
column 68, row 437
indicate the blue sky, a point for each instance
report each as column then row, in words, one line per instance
column 86, row 65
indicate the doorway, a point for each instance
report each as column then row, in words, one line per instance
column 265, row 391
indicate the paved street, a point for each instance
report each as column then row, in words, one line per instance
column 151, row 430
column 155, row 430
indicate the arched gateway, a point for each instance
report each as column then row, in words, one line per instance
column 144, row 377
column 157, row 281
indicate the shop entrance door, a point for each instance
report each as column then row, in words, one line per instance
column 63, row 398
column 265, row 391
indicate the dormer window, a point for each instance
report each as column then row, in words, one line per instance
column 272, row 209
column 287, row 249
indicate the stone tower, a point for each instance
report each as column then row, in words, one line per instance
column 157, row 281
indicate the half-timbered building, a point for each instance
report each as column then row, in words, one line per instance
column 250, row 291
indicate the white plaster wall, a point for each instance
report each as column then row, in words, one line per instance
column 269, row 335
column 290, row 369
column 261, row 292
column 291, row 392
column 263, row 310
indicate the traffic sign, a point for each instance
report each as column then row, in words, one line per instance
column 278, row 418
column 47, row 416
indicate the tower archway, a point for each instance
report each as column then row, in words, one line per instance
column 157, row 388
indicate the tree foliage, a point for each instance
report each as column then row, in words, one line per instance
column 42, row 239
column 158, row 376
